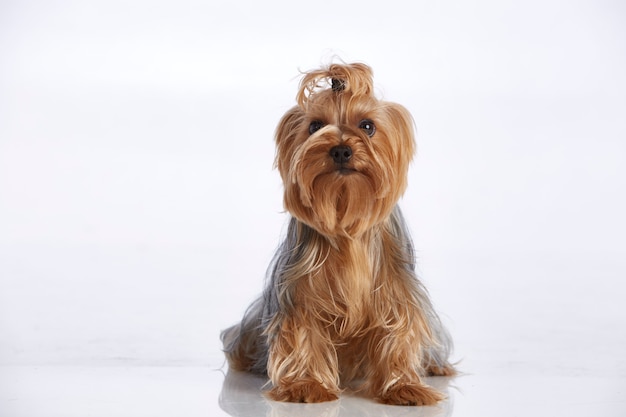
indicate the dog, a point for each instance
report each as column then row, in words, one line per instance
column 343, row 303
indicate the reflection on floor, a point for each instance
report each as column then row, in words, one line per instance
column 209, row 391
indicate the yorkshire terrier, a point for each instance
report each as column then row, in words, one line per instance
column 343, row 302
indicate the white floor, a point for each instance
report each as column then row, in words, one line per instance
column 547, row 341
column 206, row 391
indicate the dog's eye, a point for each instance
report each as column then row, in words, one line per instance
column 315, row 126
column 368, row 127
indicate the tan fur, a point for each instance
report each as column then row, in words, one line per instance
column 348, row 304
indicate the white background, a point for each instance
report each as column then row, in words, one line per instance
column 139, row 208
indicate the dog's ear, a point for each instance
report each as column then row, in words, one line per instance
column 399, row 126
column 286, row 132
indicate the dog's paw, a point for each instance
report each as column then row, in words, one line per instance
column 410, row 394
column 446, row 370
column 302, row 392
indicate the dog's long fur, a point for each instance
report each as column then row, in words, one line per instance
column 343, row 302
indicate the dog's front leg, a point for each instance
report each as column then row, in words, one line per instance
column 302, row 363
column 393, row 370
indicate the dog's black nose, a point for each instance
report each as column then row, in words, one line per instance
column 341, row 154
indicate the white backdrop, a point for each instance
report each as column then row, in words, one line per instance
column 139, row 208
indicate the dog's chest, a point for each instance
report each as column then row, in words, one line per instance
column 348, row 279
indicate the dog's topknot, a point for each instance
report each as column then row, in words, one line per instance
column 355, row 79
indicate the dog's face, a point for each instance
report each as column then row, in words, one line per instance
column 343, row 154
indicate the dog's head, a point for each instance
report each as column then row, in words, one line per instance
column 343, row 154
